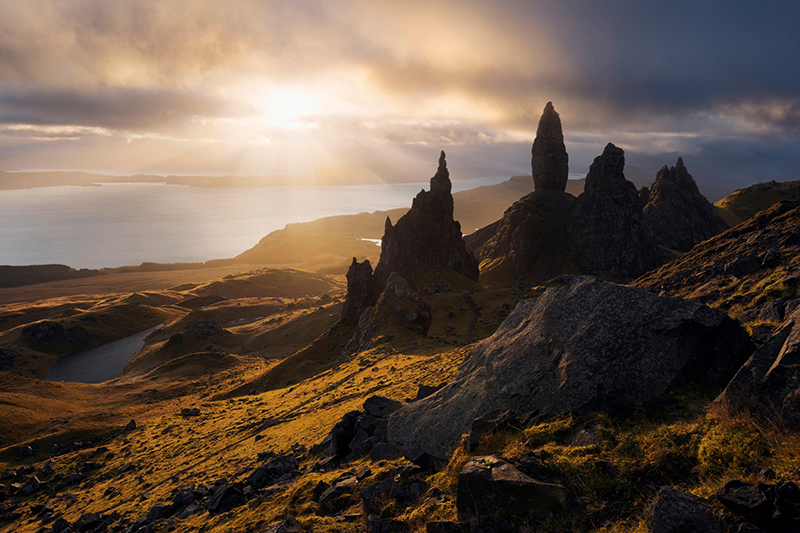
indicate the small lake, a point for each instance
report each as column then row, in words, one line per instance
column 98, row 364
column 116, row 224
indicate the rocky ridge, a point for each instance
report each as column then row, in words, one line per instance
column 679, row 215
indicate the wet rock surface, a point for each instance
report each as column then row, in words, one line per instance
column 585, row 345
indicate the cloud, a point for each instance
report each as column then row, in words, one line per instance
column 122, row 108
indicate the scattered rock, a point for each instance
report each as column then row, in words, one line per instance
column 271, row 472
column 381, row 407
column 586, row 345
column 190, row 411
column 130, row 426
column 403, row 491
column 673, row 511
column 224, row 498
column 742, row 266
column 490, row 484
column 288, row 525
column 338, row 496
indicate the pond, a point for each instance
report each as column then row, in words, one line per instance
column 98, row 364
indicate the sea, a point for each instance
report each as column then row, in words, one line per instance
column 116, row 224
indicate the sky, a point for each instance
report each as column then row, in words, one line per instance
column 256, row 88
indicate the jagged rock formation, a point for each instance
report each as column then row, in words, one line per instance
column 426, row 237
column 585, row 345
column 769, row 382
column 400, row 309
column 549, row 159
column 360, row 291
column 532, row 237
column 679, row 215
column 608, row 233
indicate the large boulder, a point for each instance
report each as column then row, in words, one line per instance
column 426, row 237
column 549, row 159
column 674, row 511
column 491, row 484
column 769, row 382
column 679, row 214
column 584, row 345
column 608, row 233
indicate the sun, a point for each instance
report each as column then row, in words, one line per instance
column 286, row 106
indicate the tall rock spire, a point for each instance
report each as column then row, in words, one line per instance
column 425, row 238
column 549, row 159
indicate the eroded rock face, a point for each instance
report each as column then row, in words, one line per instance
column 532, row 236
column 360, row 291
column 608, row 233
column 400, row 309
column 586, row 345
column 549, row 159
column 769, row 382
column 425, row 238
column 679, row 214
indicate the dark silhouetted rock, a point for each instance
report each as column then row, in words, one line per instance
column 269, row 473
column 608, row 233
column 644, row 196
column 746, row 500
column 224, row 498
column 426, row 237
column 549, row 159
column 130, row 426
column 532, row 239
column 399, row 310
column 338, row 496
column 6, row 359
column 61, row 526
column 490, row 484
column 341, row 435
column 769, row 382
column 381, row 407
column 679, row 215
column 360, row 292
column 673, row 511
column 584, row 345
column 742, row 266
column 190, row 411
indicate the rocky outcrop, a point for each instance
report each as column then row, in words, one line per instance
column 400, row 311
column 584, row 345
column 679, row 214
column 608, row 233
column 674, row 511
column 549, row 159
column 532, row 237
column 769, row 382
column 360, row 291
column 490, row 484
column 7, row 359
column 425, row 238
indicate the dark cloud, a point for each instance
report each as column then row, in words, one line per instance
column 123, row 108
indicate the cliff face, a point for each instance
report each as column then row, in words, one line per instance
column 360, row 292
column 426, row 237
column 679, row 215
column 608, row 233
